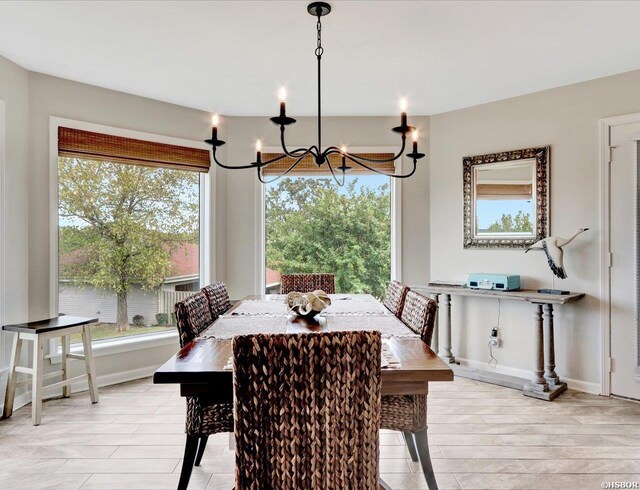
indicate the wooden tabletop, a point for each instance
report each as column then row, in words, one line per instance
column 49, row 324
column 202, row 361
column 530, row 295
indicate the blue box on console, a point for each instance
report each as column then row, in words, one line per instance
column 499, row 282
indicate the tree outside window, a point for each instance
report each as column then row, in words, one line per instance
column 312, row 225
column 127, row 235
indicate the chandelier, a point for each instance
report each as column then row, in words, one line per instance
column 319, row 155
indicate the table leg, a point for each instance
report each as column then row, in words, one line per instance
column 383, row 485
column 444, row 321
column 411, row 445
column 10, row 394
column 538, row 384
column 550, row 364
column 555, row 385
column 36, row 381
column 90, row 363
column 66, row 389
column 434, row 337
column 422, row 444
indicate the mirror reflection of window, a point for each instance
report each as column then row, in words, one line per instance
column 505, row 199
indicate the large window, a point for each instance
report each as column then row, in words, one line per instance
column 128, row 240
column 313, row 225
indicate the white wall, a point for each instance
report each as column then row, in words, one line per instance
column 14, row 194
column 242, row 237
column 565, row 118
column 14, row 91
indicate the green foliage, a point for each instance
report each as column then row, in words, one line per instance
column 119, row 223
column 162, row 318
column 313, row 227
column 508, row 223
column 138, row 320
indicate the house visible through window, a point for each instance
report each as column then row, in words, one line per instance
column 128, row 230
column 314, row 225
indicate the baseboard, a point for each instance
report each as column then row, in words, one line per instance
column 574, row 384
column 24, row 398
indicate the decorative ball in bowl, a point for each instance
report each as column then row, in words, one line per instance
column 308, row 304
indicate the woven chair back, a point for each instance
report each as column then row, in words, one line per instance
column 305, row 283
column 419, row 314
column 395, row 297
column 218, row 298
column 193, row 315
column 307, row 411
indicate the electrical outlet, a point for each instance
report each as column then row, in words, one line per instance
column 494, row 341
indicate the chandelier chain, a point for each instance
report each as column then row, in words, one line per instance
column 319, row 48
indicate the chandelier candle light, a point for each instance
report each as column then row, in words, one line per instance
column 321, row 156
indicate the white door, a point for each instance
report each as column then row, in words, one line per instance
column 624, row 174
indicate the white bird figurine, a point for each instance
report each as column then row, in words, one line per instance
column 552, row 247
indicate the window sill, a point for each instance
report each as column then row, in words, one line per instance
column 110, row 347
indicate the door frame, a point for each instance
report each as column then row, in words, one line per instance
column 605, row 247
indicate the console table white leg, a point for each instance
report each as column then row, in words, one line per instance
column 444, row 321
column 434, row 337
column 538, row 386
column 550, row 364
column 555, row 385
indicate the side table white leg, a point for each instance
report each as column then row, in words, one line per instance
column 66, row 389
column 90, row 363
column 10, row 394
column 36, row 381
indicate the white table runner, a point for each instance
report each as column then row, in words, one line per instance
column 341, row 304
column 229, row 326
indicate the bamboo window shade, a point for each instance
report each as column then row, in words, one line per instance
column 77, row 143
column 308, row 166
column 504, row 191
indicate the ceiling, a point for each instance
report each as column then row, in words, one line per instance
column 232, row 56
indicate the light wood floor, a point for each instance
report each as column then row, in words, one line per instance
column 482, row 437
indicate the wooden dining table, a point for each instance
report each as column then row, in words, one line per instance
column 202, row 367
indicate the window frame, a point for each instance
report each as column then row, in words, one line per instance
column 396, row 217
column 207, row 239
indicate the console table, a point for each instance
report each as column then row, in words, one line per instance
column 545, row 382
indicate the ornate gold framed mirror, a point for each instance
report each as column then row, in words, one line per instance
column 506, row 198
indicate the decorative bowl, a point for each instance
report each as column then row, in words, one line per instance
column 308, row 305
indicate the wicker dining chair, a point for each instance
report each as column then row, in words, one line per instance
column 395, row 296
column 307, row 410
column 204, row 417
column 218, row 298
column 408, row 413
column 419, row 314
column 306, row 283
